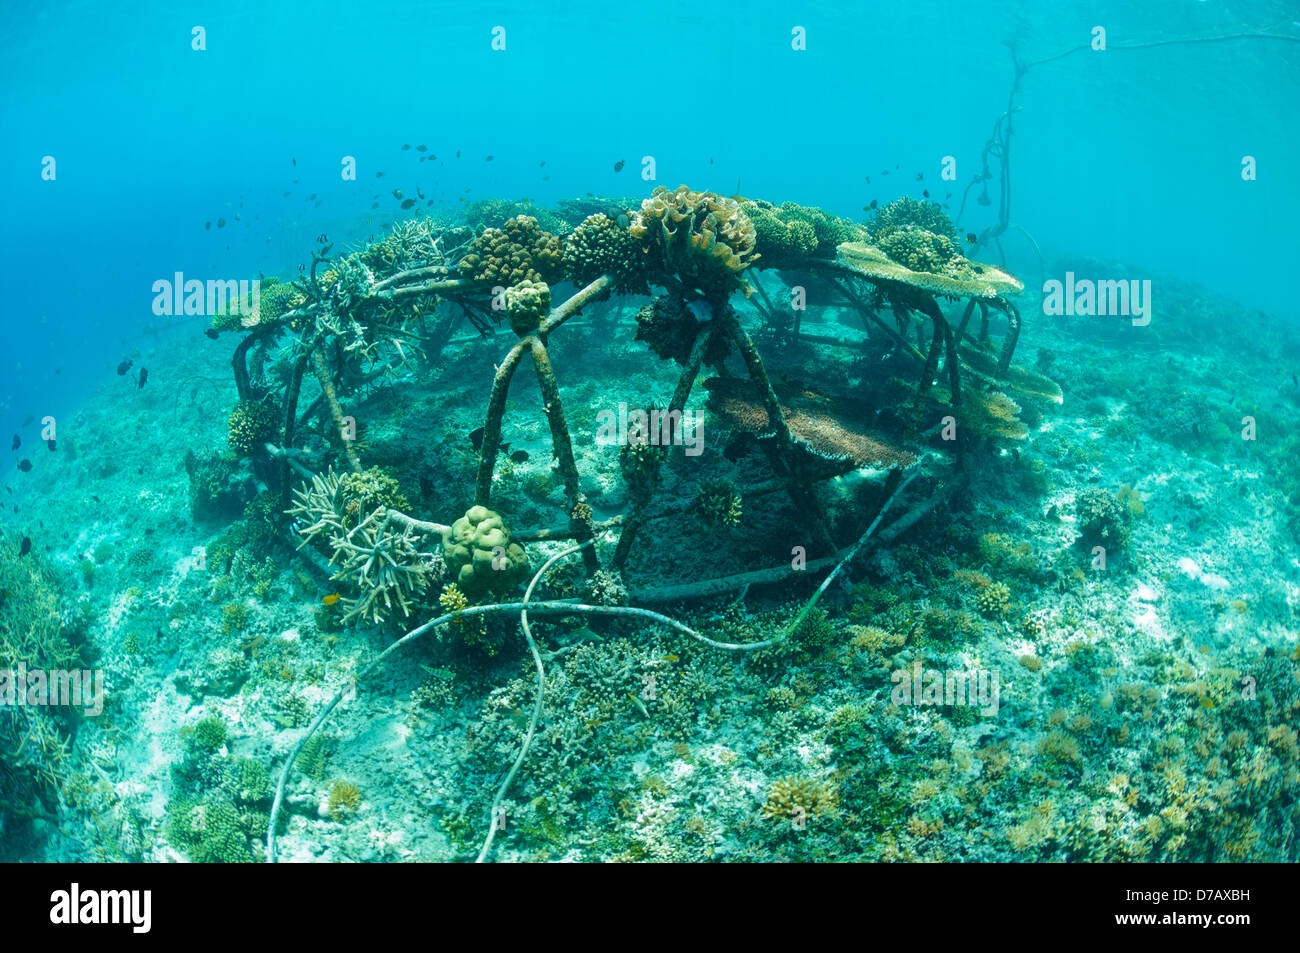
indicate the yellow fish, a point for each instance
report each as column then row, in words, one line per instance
column 332, row 598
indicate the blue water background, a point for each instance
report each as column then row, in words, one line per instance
column 1131, row 155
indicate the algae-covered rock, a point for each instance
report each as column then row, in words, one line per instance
column 480, row 556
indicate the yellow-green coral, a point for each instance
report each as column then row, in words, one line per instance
column 719, row 503
column 787, row 236
column 480, row 555
column 796, row 797
column 526, row 305
column 994, row 600
column 252, row 423
column 517, row 252
column 345, row 798
column 600, row 246
column 701, row 239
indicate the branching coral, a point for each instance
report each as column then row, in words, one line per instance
column 719, row 503
column 795, row 798
column 700, row 239
column 377, row 555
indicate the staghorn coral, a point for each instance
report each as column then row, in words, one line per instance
column 385, row 563
column 526, row 305
column 600, row 246
column 415, row 243
column 480, row 556
column 700, row 239
column 519, row 251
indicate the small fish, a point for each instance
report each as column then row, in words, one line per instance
column 920, row 176
column 332, row 598
column 868, row 178
column 710, row 160
column 18, row 442
column 207, row 226
column 488, row 158
column 476, row 438
column 947, row 197
column 221, row 223
column 123, row 368
column 379, row 175
column 430, row 202
column 884, row 172
column 405, row 146
column 970, row 237
column 925, row 193
column 25, row 547
column 618, row 166
column 640, row 706
column 519, row 456
column 1196, row 429
column 25, row 465
column 310, row 197
column 672, row 658
column 29, row 421
column 294, row 161
column 874, row 203
column 418, row 192
column 423, row 149
column 287, row 194
column 457, row 153
column 397, row 193
column 542, row 163
column 50, row 443
column 144, row 376
column 375, row 206
column 408, row 203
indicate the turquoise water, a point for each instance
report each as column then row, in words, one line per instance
column 1092, row 522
